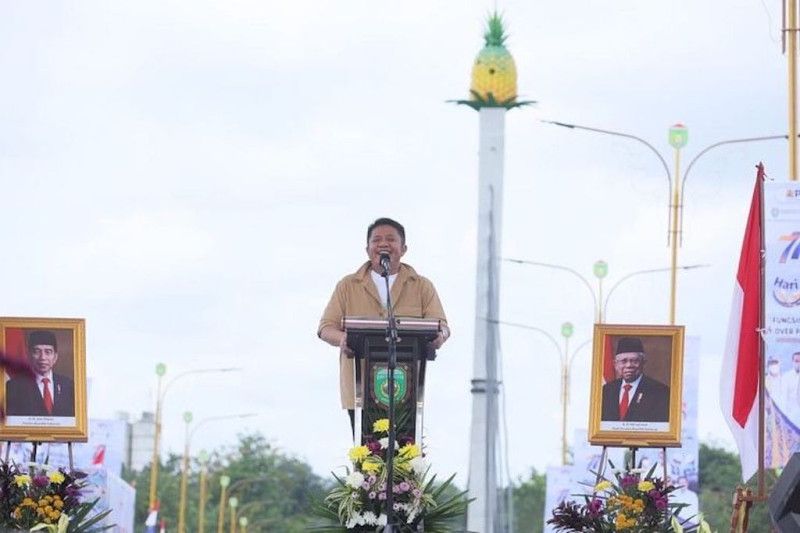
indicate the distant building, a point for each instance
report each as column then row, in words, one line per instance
column 139, row 439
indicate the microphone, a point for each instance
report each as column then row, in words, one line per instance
column 385, row 261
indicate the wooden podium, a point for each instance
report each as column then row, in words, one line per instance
column 368, row 338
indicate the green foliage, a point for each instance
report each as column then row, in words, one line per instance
column 528, row 498
column 495, row 33
column 275, row 491
column 720, row 474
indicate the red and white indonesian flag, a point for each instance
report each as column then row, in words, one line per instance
column 741, row 362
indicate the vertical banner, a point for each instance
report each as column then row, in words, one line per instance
column 683, row 464
column 104, row 449
column 558, row 489
column 587, row 462
column 782, row 321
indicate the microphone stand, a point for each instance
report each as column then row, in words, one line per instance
column 391, row 338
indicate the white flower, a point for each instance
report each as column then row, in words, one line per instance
column 370, row 519
column 382, row 520
column 352, row 521
column 355, row 480
column 418, row 465
column 385, row 443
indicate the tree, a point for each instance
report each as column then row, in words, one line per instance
column 275, row 491
column 720, row 474
column 528, row 498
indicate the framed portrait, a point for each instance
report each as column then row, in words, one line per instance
column 636, row 386
column 46, row 403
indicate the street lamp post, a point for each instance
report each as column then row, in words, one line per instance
column 600, row 271
column 678, row 138
column 224, row 481
column 201, row 512
column 243, row 524
column 161, row 370
column 566, row 331
column 566, row 360
column 187, row 418
column 233, row 502
column 640, row 272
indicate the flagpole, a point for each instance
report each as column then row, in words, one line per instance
column 761, row 378
column 790, row 48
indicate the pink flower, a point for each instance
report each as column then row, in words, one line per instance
column 595, row 507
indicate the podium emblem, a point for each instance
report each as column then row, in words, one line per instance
column 381, row 384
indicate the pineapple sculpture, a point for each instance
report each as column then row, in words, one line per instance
column 494, row 74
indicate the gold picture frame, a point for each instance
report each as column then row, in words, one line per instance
column 29, row 417
column 636, row 386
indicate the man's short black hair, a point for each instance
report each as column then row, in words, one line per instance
column 42, row 337
column 388, row 222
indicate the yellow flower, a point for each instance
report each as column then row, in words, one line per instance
column 358, row 453
column 381, row 426
column 603, row 485
column 409, row 451
column 23, row 480
column 622, row 522
column 646, row 486
column 371, row 467
column 55, row 476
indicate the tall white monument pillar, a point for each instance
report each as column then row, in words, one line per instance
column 492, row 93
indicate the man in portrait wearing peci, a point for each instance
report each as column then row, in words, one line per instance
column 633, row 396
column 46, row 393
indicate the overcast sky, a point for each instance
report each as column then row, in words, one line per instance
column 194, row 177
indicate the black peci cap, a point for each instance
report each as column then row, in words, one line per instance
column 42, row 337
column 629, row 345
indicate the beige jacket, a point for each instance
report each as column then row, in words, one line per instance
column 355, row 295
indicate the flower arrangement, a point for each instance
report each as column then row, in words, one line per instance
column 357, row 503
column 630, row 503
column 44, row 498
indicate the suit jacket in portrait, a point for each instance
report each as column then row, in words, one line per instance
column 650, row 403
column 24, row 399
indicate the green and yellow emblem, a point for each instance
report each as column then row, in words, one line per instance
column 380, row 385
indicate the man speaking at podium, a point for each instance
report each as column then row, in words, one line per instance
column 363, row 294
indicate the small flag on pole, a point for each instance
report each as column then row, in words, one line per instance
column 150, row 525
